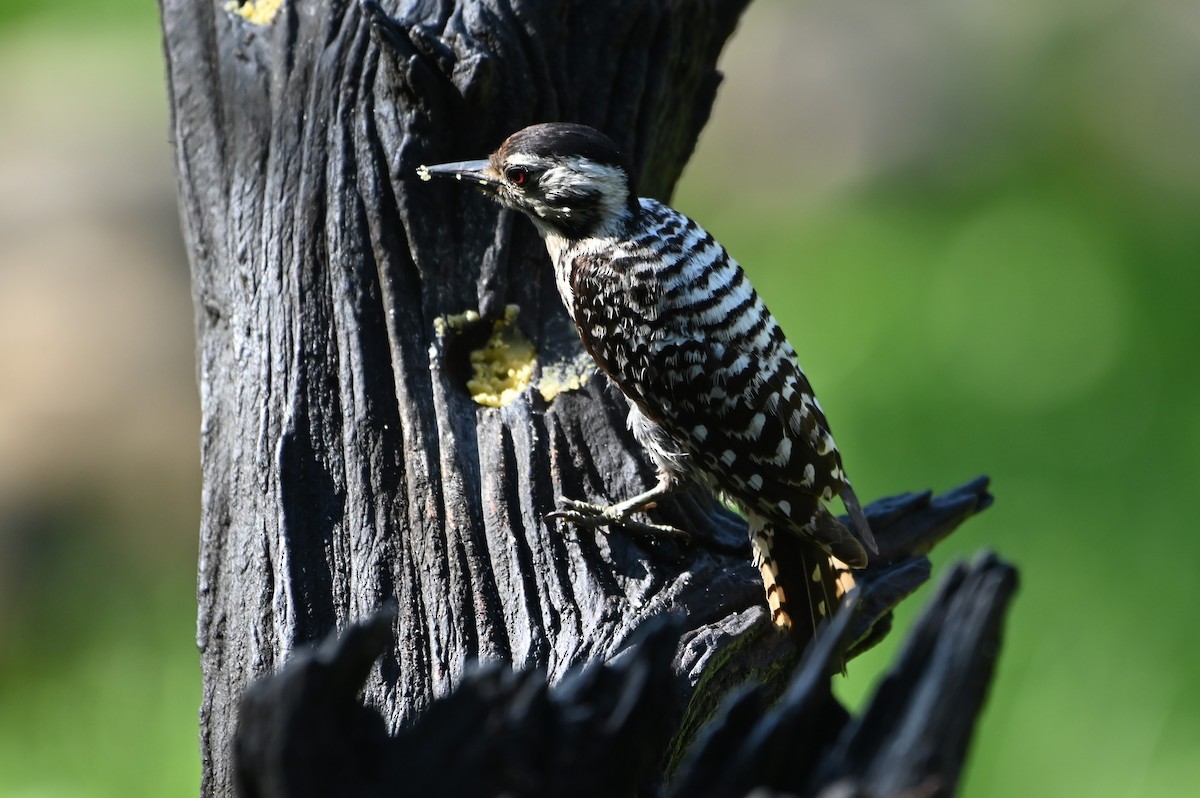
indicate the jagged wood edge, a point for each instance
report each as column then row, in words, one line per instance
column 304, row 732
column 907, row 527
column 914, row 735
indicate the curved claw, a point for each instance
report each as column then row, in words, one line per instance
column 594, row 516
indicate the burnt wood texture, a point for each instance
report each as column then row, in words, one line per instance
column 345, row 462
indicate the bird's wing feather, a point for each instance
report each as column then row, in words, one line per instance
column 678, row 327
column 773, row 456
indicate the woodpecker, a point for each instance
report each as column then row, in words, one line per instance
column 715, row 390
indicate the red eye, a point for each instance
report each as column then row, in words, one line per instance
column 517, row 176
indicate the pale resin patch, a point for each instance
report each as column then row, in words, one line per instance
column 256, row 12
column 567, row 376
column 503, row 367
column 458, row 321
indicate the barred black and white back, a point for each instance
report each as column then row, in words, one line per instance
column 715, row 389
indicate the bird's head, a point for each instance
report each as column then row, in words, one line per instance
column 571, row 180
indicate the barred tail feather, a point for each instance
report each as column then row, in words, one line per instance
column 762, row 543
column 803, row 583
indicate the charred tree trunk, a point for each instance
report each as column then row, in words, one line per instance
column 345, row 462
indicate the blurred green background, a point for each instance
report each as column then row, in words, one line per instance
column 977, row 221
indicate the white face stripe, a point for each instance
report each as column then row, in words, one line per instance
column 562, row 179
column 575, row 173
column 574, row 170
column 526, row 160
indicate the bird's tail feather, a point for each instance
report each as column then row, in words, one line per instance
column 804, row 584
column 858, row 520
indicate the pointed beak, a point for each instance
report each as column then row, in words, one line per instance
column 477, row 172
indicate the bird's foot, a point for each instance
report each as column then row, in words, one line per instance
column 594, row 516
